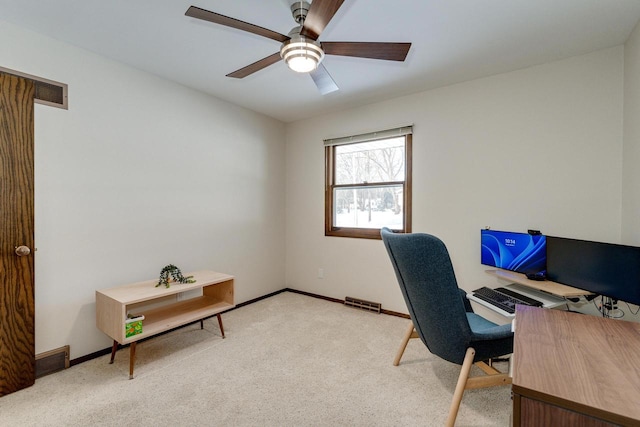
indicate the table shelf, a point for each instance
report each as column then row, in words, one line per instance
column 171, row 316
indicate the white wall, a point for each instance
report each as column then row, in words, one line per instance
column 631, row 171
column 137, row 174
column 536, row 148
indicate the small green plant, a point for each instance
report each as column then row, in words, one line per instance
column 176, row 275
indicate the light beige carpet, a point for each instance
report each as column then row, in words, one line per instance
column 288, row 360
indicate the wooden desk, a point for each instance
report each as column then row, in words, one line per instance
column 162, row 307
column 571, row 369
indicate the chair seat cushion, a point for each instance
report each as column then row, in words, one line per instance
column 488, row 339
column 483, row 329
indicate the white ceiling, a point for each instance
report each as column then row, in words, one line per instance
column 453, row 41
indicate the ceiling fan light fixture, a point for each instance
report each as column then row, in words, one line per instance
column 302, row 55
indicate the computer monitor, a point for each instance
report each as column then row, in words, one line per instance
column 602, row 268
column 519, row 252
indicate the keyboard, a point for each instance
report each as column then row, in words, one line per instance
column 505, row 299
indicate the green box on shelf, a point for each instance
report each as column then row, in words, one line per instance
column 133, row 326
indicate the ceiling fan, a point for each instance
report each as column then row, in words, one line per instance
column 301, row 49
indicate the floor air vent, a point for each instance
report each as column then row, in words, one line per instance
column 52, row 361
column 362, row 304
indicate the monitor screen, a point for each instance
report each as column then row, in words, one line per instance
column 602, row 268
column 520, row 252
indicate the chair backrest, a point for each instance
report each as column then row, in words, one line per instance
column 425, row 275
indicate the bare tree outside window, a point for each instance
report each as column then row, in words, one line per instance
column 367, row 187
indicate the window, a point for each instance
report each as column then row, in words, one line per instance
column 368, row 184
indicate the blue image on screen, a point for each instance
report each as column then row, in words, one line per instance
column 520, row 252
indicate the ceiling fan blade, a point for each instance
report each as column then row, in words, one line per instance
column 320, row 13
column 373, row 50
column 256, row 66
column 323, row 80
column 216, row 18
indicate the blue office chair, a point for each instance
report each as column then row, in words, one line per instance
column 441, row 315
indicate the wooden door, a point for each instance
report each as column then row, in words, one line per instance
column 17, row 309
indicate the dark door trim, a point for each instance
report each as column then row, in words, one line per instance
column 48, row 92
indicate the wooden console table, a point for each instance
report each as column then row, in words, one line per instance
column 161, row 306
column 572, row 369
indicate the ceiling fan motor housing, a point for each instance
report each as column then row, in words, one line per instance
column 299, row 11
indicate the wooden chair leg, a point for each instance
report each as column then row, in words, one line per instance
column 462, row 382
column 492, row 379
column 410, row 333
column 511, row 365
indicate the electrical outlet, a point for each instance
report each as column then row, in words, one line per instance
column 321, row 273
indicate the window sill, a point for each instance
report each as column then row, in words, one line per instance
column 357, row 233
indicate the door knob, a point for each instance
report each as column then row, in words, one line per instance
column 22, row 250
